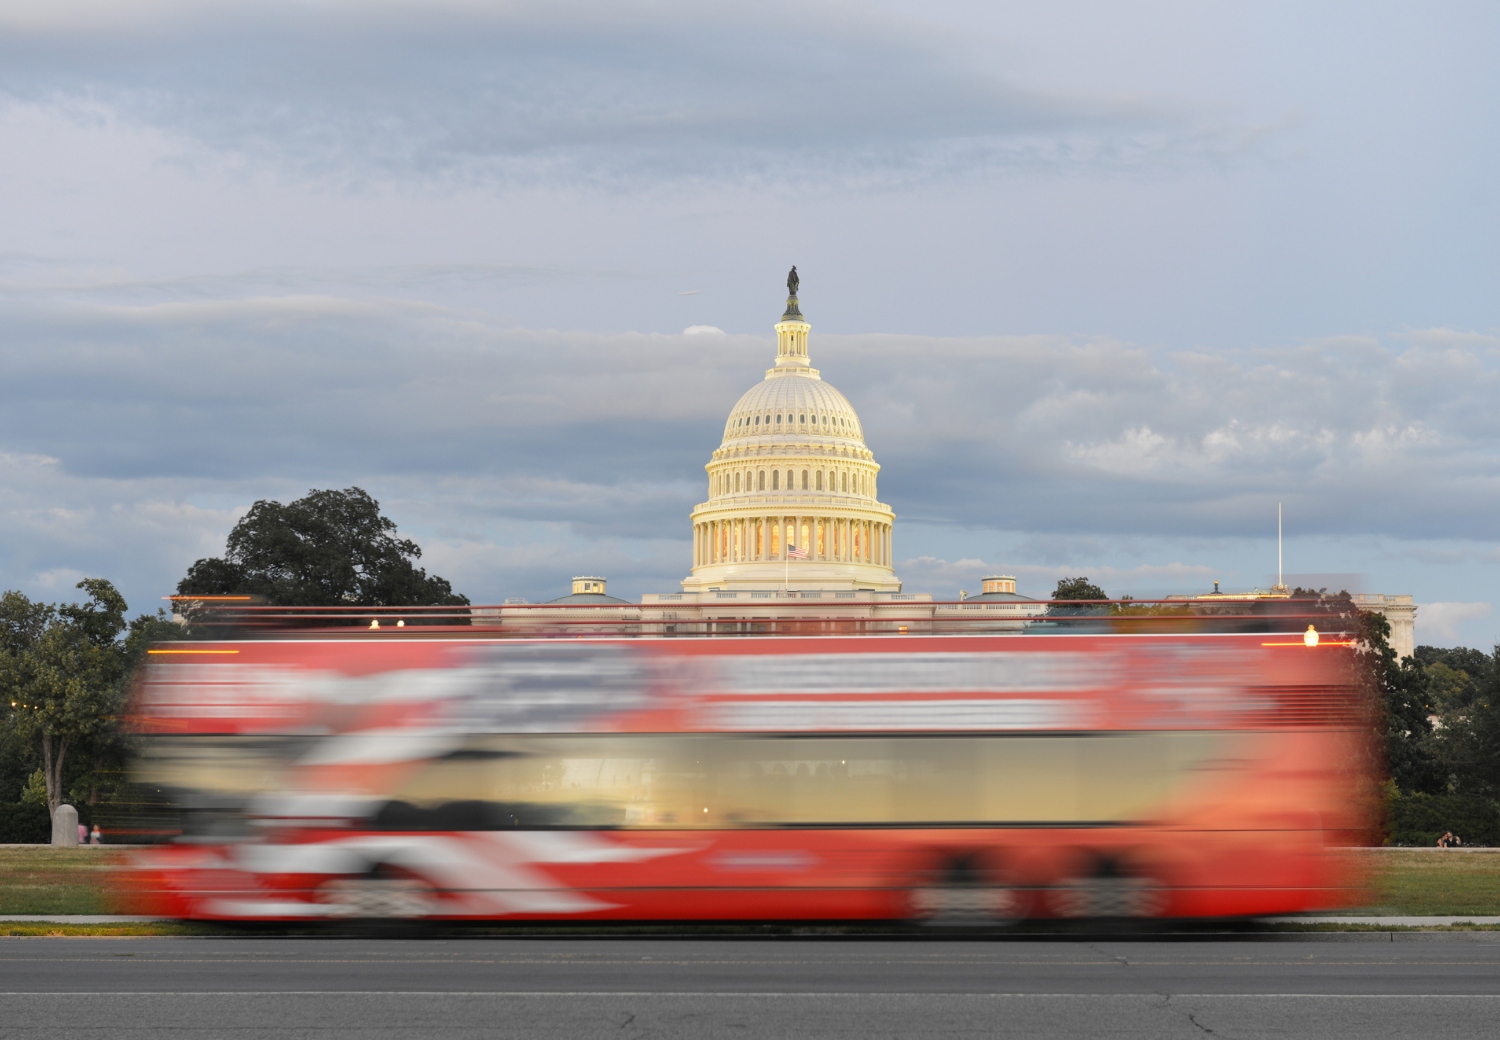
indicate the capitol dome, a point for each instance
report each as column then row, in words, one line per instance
column 792, row 475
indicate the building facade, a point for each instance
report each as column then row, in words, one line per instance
column 1400, row 612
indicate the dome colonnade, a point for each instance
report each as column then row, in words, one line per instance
column 792, row 470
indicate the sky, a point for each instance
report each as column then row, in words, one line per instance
column 1105, row 282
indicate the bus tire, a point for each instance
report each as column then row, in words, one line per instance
column 1108, row 891
column 381, row 894
column 962, row 893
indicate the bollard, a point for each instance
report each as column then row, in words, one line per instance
column 65, row 827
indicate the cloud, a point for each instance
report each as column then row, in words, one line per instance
column 1071, row 438
column 1094, row 437
column 1439, row 622
column 703, row 330
column 578, row 91
column 140, row 430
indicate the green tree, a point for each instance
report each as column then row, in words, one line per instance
column 1398, row 690
column 1078, row 588
column 1458, row 675
column 62, row 673
column 329, row 548
column 1451, row 688
column 1469, row 740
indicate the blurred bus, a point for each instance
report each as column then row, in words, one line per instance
column 962, row 779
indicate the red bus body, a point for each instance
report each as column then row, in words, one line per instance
column 780, row 778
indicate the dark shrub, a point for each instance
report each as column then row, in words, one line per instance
column 22, row 824
column 1421, row 819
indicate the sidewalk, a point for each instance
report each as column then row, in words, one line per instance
column 1383, row 922
column 78, row 919
column 1387, row 922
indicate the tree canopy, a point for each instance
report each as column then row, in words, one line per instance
column 329, row 548
column 63, row 671
column 1078, row 588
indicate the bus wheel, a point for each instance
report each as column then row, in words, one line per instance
column 381, row 894
column 963, row 895
column 1107, row 892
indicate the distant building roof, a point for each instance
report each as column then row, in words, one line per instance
column 587, row 597
column 588, row 588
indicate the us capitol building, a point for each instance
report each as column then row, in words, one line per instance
column 792, row 474
column 792, row 515
column 793, row 529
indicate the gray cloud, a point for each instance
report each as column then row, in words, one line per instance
column 584, row 90
column 1051, row 434
column 609, row 433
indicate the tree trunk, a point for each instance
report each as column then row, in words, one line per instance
column 52, row 766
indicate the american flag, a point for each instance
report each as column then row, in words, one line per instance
column 795, row 553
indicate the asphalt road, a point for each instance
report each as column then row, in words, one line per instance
column 1361, row 985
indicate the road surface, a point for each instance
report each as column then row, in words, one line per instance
column 1364, row 985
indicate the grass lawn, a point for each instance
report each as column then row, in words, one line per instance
column 1432, row 882
column 44, row 880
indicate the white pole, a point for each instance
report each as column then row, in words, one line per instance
column 1280, row 581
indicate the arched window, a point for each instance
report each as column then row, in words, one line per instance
column 760, row 481
column 843, row 482
column 820, row 480
column 736, row 481
column 778, row 418
column 790, row 483
column 776, row 480
column 803, row 417
column 757, row 420
column 804, row 487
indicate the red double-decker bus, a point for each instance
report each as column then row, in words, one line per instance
column 832, row 778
